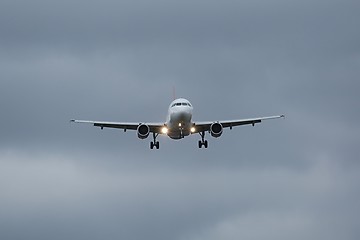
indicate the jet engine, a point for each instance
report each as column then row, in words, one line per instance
column 216, row 129
column 143, row 131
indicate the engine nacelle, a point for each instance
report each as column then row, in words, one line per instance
column 143, row 131
column 216, row 129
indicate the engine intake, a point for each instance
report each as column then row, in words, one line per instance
column 216, row 129
column 143, row 131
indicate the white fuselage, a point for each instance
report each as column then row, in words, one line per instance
column 178, row 120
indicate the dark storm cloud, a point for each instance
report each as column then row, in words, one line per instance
column 118, row 60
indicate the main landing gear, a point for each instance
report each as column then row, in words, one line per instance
column 203, row 142
column 155, row 143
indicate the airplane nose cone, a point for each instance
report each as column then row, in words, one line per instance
column 183, row 116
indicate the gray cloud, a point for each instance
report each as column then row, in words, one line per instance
column 118, row 61
column 87, row 198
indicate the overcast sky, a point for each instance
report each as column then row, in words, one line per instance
column 111, row 60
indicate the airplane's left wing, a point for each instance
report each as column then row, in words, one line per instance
column 205, row 126
column 154, row 127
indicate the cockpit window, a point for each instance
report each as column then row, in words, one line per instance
column 181, row 104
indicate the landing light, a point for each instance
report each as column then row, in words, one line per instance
column 164, row 130
column 179, row 124
column 192, row 129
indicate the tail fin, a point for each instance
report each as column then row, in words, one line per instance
column 174, row 93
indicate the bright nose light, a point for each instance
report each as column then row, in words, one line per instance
column 164, row 130
column 179, row 124
column 192, row 129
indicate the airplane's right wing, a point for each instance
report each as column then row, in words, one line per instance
column 154, row 127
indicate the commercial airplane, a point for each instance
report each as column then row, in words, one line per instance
column 178, row 124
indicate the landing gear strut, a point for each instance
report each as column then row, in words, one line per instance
column 203, row 142
column 154, row 143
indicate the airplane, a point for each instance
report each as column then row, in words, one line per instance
column 178, row 124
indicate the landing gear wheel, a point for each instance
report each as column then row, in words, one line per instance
column 155, row 143
column 202, row 142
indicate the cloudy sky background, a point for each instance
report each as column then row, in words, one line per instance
column 296, row 178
